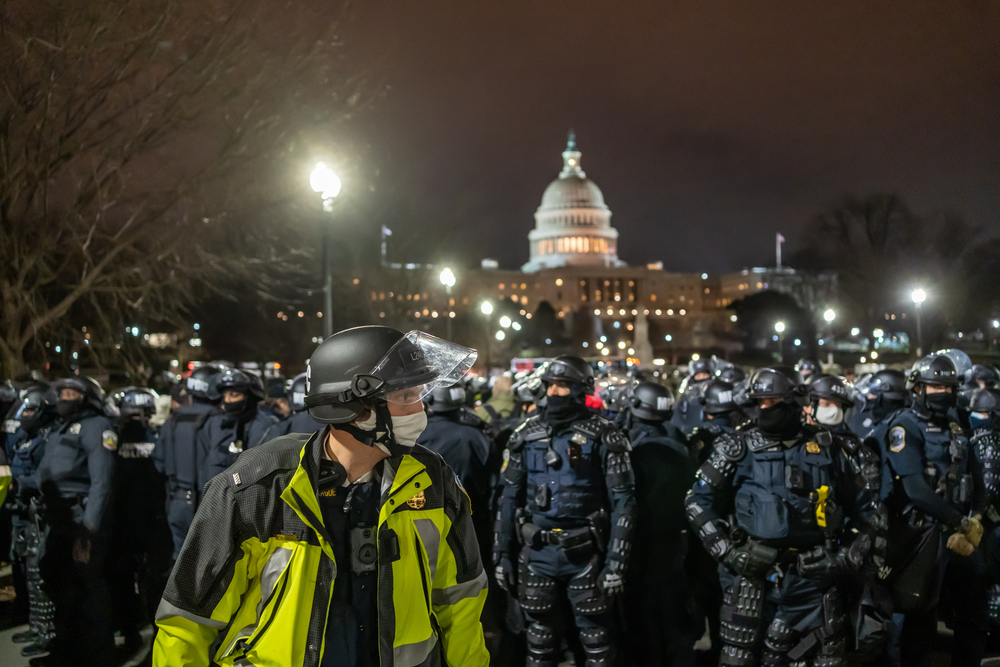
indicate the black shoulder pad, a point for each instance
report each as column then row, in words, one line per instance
column 755, row 440
column 848, row 442
column 593, row 427
column 731, row 446
column 824, row 438
column 532, row 429
column 470, row 418
column 616, row 441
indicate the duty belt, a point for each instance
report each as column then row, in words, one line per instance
column 567, row 539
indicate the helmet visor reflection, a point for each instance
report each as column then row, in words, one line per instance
column 419, row 363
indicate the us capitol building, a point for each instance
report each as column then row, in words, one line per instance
column 575, row 268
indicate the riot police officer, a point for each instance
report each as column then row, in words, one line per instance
column 985, row 443
column 723, row 414
column 177, row 455
column 36, row 416
column 141, row 544
column 829, row 400
column 885, row 394
column 462, row 439
column 76, row 481
column 659, row 628
column 238, row 427
column 299, row 421
column 807, row 369
column 568, row 507
column 931, row 499
column 687, row 412
column 795, row 501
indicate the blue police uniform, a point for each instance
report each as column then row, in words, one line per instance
column 560, row 486
column 458, row 436
column 297, row 422
column 773, row 489
column 76, row 478
column 177, row 456
column 986, row 450
column 224, row 437
column 933, row 481
column 689, row 412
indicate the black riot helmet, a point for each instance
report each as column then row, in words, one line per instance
column 888, row 383
column 985, row 400
column 775, row 382
column 936, row 369
column 719, row 397
column 135, row 401
column 981, row 376
column 297, row 393
column 38, row 396
column 569, row 369
column 233, row 379
column 201, row 384
column 831, row 388
column 365, row 368
column 731, row 374
column 442, row 399
column 699, row 366
column 529, row 388
column 807, row 368
column 92, row 392
column 652, row 401
column 963, row 363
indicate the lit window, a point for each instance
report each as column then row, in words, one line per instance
column 559, row 282
column 501, row 286
column 523, row 286
column 631, row 283
column 524, row 301
column 416, row 297
column 652, row 297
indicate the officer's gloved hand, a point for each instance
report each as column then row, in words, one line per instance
column 506, row 574
column 611, row 581
column 823, row 564
column 960, row 544
column 972, row 528
column 751, row 559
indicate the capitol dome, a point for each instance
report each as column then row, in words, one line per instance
column 573, row 224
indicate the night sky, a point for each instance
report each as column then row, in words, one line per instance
column 708, row 125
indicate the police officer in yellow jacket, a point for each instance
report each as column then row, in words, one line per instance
column 348, row 547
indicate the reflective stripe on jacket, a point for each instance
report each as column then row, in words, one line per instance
column 253, row 583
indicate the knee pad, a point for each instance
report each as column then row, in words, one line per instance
column 543, row 646
column 778, row 641
column 741, row 613
column 735, row 656
column 597, row 644
column 536, row 593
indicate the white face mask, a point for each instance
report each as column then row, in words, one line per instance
column 406, row 429
column 830, row 416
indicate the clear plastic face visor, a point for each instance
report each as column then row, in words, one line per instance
column 419, row 363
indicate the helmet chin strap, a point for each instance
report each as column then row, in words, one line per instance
column 383, row 425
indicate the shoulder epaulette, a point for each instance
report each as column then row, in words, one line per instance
column 257, row 462
column 756, row 442
column 531, row 429
column 824, row 438
column 470, row 418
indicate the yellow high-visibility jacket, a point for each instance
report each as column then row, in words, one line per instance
column 254, row 581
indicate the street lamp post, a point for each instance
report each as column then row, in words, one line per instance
column 487, row 310
column 919, row 296
column 448, row 280
column 779, row 328
column 829, row 315
column 326, row 183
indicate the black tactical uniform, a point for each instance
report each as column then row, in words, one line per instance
column 177, row 456
column 659, row 627
column 76, row 481
column 568, row 506
column 985, row 444
column 795, row 498
column 300, row 421
column 932, row 493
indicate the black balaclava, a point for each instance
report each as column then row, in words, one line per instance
column 883, row 406
column 561, row 411
column 936, row 405
column 782, row 421
column 131, row 428
column 68, row 410
column 723, row 419
column 30, row 423
column 240, row 410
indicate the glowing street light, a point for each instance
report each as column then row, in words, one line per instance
column 447, row 279
column 919, row 296
column 779, row 327
column 326, row 183
column 487, row 308
column 505, row 322
column 830, row 315
column 500, row 335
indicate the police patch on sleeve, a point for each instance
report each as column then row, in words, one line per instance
column 897, row 439
column 110, row 440
column 506, row 460
column 75, row 428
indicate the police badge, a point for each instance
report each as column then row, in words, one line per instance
column 109, row 439
column 417, row 501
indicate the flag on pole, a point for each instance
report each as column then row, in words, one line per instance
column 388, row 232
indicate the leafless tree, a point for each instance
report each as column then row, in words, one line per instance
column 148, row 147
